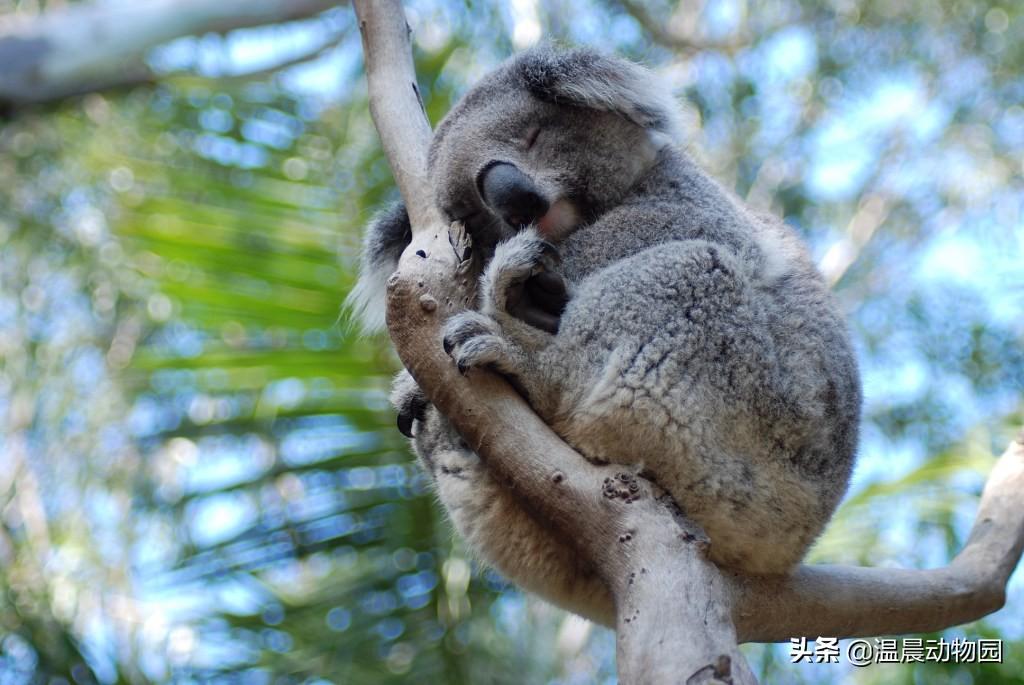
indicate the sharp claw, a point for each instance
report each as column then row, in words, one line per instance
column 463, row 367
column 405, row 422
column 551, row 251
column 448, row 345
column 419, row 410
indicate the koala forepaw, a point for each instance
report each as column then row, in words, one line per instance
column 522, row 280
column 473, row 340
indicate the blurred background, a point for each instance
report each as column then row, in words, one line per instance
column 200, row 479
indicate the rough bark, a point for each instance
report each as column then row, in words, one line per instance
column 679, row 617
column 98, row 45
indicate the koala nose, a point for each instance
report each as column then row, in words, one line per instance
column 511, row 194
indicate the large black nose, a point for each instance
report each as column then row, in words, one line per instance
column 511, row 194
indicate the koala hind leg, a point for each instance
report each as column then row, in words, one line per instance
column 667, row 361
column 496, row 526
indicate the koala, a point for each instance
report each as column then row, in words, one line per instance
column 648, row 316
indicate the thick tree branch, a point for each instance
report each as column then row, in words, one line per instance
column 849, row 601
column 396, row 106
column 679, row 617
column 97, row 45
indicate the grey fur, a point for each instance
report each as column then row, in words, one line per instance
column 698, row 343
column 493, row 522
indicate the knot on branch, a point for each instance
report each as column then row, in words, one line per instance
column 428, row 303
column 718, row 673
column 622, row 486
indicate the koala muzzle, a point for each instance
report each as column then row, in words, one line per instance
column 511, row 194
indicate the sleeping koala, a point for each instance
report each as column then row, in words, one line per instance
column 644, row 313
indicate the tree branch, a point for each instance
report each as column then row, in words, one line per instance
column 98, row 45
column 396, row 106
column 678, row 617
column 849, row 601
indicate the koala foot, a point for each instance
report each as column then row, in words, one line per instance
column 409, row 400
column 522, row 280
column 473, row 340
column 412, row 409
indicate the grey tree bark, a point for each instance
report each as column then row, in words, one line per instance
column 679, row 617
column 93, row 46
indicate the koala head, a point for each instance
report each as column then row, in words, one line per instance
column 553, row 138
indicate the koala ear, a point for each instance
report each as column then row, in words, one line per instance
column 386, row 238
column 586, row 78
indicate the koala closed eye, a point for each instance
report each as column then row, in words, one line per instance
column 531, row 136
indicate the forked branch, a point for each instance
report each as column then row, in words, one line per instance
column 677, row 613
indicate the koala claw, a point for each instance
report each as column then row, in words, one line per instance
column 472, row 340
column 411, row 403
column 414, row 411
column 539, row 301
column 550, row 255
